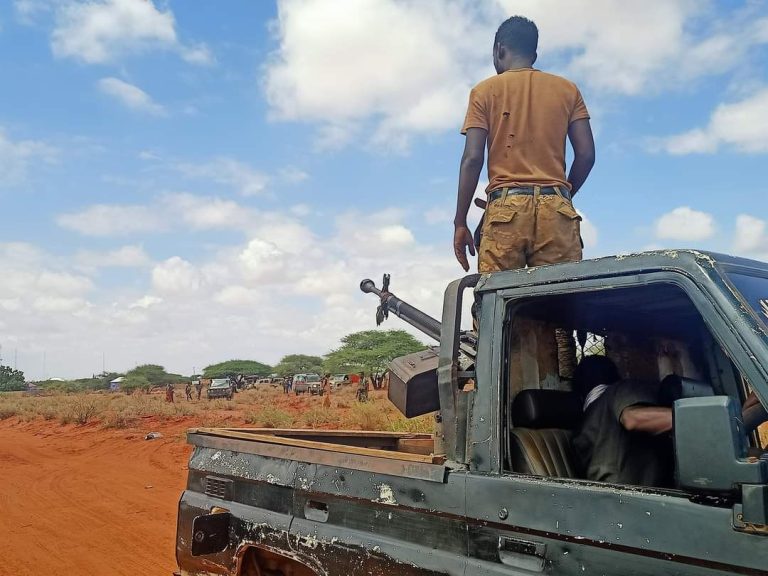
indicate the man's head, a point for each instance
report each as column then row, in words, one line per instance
column 593, row 371
column 515, row 44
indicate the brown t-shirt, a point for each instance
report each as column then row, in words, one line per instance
column 526, row 113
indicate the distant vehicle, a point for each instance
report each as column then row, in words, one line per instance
column 220, row 388
column 300, row 384
column 314, row 384
column 338, row 380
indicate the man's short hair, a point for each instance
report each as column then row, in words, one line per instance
column 593, row 371
column 519, row 35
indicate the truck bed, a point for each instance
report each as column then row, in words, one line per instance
column 398, row 453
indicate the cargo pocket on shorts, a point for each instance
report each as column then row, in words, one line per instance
column 570, row 213
column 497, row 222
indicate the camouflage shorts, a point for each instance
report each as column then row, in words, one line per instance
column 522, row 230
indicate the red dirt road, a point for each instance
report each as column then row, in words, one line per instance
column 83, row 501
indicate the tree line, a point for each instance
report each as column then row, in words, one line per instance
column 367, row 351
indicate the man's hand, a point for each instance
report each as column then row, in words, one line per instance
column 462, row 239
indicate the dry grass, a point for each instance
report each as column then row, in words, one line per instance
column 266, row 407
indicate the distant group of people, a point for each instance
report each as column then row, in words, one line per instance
column 170, row 391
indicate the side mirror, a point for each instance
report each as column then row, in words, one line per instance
column 711, row 447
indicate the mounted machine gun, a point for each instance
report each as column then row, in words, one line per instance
column 413, row 385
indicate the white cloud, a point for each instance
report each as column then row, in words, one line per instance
column 130, row 96
column 113, row 220
column 293, row 175
column 240, row 176
column 198, row 54
column 176, row 276
column 334, row 74
column 438, row 215
column 16, row 158
column 282, row 289
column 204, row 213
column 589, row 233
column 741, row 125
column 417, row 82
column 146, row 302
column 100, row 31
column 685, row 224
column 751, row 237
column 131, row 256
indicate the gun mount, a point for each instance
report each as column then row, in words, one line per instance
column 413, row 385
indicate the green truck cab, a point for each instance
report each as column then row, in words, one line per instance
column 496, row 491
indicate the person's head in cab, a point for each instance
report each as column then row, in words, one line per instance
column 594, row 372
column 515, row 44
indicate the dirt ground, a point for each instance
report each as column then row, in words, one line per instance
column 98, row 500
column 88, row 501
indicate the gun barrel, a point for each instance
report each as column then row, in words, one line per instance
column 415, row 317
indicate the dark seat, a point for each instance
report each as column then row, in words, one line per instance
column 540, row 441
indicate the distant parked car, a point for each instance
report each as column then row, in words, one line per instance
column 300, row 384
column 220, row 388
column 314, row 384
column 338, row 380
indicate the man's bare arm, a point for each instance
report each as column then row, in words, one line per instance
column 471, row 165
column 580, row 135
column 648, row 419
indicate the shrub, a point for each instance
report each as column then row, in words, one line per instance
column 8, row 412
column 367, row 416
column 270, row 417
column 317, row 417
column 83, row 410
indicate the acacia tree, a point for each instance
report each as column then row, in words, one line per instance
column 370, row 351
column 11, row 380
column 154, row 374
column 235, row 367
column 299, row 364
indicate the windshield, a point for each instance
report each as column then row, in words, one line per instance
column 220, row 383
column 754, row 290
column 313, row 378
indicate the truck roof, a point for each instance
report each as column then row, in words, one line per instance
column 695, row 263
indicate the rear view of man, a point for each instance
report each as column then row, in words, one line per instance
column 524, row 116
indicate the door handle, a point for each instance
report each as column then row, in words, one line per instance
column 522, row 554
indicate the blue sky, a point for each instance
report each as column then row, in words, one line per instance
column 186, row 182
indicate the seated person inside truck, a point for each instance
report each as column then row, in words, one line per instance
column 620, row 439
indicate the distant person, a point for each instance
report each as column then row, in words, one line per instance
column 362, row 388
column 188, row 390
column 327, row 391
column 286, row 385
column 199, row 387
column 169, row 392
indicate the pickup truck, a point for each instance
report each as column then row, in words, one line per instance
column 495, row 490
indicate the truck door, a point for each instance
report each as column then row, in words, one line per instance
column 530, row 508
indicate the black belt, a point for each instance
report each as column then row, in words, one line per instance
column 529, row 191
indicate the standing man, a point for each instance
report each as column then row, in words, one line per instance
column 188, row 390
column 198, row 387
column 523, row 115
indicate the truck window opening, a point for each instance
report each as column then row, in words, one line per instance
column 649, row 333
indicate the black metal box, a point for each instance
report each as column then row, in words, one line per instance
column 413, row 383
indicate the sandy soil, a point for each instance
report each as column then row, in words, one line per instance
column 87, row 501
